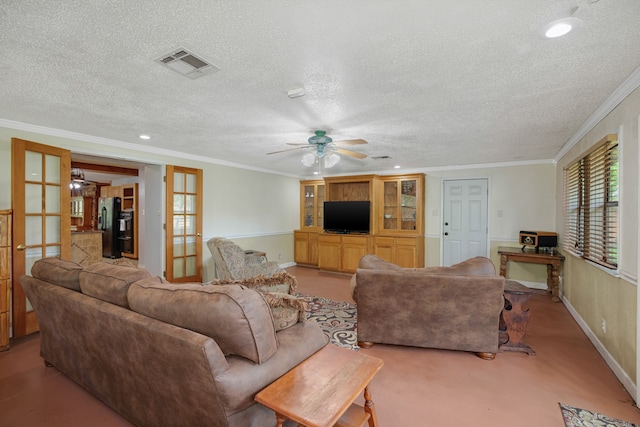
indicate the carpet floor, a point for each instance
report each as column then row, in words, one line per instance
column 576, row 417
column 337, row 320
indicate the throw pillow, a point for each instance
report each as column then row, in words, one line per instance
column 280, row 282
column 287, row 310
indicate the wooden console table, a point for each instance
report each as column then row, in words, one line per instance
column 553, row 262
column 320, row 391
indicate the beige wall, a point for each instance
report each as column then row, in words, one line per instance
column 257, row 209
column 521, row 197
column 593, row 293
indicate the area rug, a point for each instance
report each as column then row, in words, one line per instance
column 576, row 417
column 337, row 320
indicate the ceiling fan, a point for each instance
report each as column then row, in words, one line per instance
column 326, row 148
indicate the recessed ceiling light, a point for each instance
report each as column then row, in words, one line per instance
column 396, row 167
column 144, row 136
column 560, row 27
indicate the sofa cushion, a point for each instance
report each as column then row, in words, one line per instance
column 58, row 271
column 287, row 310
column 110, row 282
column 237, row 318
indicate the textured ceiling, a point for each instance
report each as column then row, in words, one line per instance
column 427, row 83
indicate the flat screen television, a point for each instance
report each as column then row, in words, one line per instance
column 347, row 216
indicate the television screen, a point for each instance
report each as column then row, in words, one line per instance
column 347, row 216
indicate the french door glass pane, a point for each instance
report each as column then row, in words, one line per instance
column 178, row 203
column 178, row 182
column 178, row 269
column 33, row 232
column 191, row 245
column 191, row 204
column 178, row 246
column 33, row 166
column 33, row 198
column 52, row 165
column 178, row 225
column 191, row 183
column 52, row 199
column 190, row 224
column 191, row 266
column 53, row 229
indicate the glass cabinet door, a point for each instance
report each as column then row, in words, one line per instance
column 312, row 205
column 400, row 205
column 408, row 205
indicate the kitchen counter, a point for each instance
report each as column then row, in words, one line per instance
column 86, row 247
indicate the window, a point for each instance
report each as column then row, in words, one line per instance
column 591, row 205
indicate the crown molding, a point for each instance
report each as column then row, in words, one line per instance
column 27, row 127
column 629, row 85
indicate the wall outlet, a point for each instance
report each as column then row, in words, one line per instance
column 604, row 326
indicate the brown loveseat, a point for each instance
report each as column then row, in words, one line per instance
column 162, row 354
column 453, row 308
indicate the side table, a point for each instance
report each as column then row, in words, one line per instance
column 320, row 391
column 514, row 319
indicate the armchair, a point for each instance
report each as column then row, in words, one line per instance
column 453, row 308
column 232, row 262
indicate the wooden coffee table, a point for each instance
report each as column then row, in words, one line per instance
column 320, row 391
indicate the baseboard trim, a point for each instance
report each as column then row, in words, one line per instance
column 622, row 376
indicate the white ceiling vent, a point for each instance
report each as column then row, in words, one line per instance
column 186, row 63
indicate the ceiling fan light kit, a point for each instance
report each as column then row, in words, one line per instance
column 326, row 149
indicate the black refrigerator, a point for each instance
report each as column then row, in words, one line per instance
column 109, row 223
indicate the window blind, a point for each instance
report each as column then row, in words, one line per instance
column 591, row 205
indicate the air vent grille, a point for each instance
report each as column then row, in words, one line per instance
column 186, row 63
column 380, row 157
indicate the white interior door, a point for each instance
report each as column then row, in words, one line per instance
column 465, row 216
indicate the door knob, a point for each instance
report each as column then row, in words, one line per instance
column 199, row 234
column 446, row 234
column 21, row 247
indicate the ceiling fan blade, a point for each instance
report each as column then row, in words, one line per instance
column 351, row 142
column 349, row 153
column 290, row 149
column 305, row 144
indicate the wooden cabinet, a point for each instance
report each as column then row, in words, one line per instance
column 312, row 197
column 5, row 277
column 401, row 207
column 306, row 247
column 403, row 251
column 396, row 221
column 340, row 252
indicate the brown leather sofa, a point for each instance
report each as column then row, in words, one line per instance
column 162, row 354
column 453, row 308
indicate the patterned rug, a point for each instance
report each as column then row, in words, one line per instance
column 576, row 417
column 337, row 320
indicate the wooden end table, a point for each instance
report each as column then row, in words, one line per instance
column 320, row 391
column 514, row 319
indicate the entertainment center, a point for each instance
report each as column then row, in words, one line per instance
column 335, row 239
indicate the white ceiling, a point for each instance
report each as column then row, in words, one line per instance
column 428, row 83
